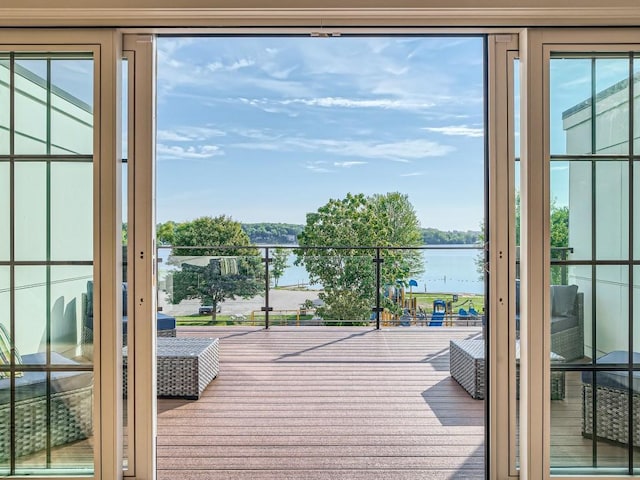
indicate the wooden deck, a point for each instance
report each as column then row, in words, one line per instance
column 337, row 403
column 326, row 403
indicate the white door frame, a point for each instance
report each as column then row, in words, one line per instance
column 501, row 47
column 140, row 51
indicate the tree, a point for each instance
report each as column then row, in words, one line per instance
column 558, row 240
column 278, row 264
column 348, row 274
column 165, row 233
column 217, row 268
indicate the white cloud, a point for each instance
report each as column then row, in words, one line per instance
column 348, row 164
column 412, row 174
column 193, row 152
column 230, row 67
column 458, row 130
column 400, row 151
column 171, row 136
column 340, row 102
column 317, row 167
column 189, row 134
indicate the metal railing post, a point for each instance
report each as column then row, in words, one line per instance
column 378, row 262
column 266, row 309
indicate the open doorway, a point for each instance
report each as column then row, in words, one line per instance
column 320, row 206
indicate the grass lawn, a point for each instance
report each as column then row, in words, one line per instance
column 424, row 300
column 221, row 320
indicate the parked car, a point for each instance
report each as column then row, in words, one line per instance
column 208, row 309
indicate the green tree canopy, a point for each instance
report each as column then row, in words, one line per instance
column 165, row 233
column 278, row 264
column 348, row 274
column 216, row 268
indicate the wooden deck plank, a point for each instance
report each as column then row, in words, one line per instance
column 320, row 403
column 338, row 403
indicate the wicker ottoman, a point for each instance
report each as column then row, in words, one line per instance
column 466, row 365
column 612, row 401
column 185, row 366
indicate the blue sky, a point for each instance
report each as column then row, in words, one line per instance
column 267, row 129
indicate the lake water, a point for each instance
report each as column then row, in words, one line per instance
column 447, row 270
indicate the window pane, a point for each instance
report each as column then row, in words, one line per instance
column 605, row 417
column 636, row 106
column 31, row 128
column 69, row 308
column 636, row 308
column 71, row 106
column 636, row 210
column 571, row 212
column 612, row 210
column 570, row 119
column 30, row 197
column 5, row 110
column 4, row 297
column 67, row 429
column 612, row 105
column 31, row 309
column 71, row 211
column 5, row 215
column 612, row 309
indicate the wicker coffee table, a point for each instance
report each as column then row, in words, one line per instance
column 185, row 366
column 466, row 365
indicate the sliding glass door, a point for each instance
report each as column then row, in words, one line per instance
column 52, row 328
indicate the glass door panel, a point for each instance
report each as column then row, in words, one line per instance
column 593, row 191
column 46, row 263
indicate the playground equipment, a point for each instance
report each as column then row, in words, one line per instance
column 439, row 311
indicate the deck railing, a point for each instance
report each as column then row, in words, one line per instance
column 339, row 285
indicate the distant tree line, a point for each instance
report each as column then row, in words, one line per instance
column 287, row 233
column 273, row 233
column 433, row 236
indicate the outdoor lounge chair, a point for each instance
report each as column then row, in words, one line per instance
column 567, row 320
column 49, row 409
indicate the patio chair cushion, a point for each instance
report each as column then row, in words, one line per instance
column 165, row 322
column 618, row 380
column 34, row 384
column 5, row 352
column 563, row 299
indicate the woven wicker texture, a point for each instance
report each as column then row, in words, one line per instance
column 185, row 366
column 466, row 365
column 71, row 420
column 612, row 414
